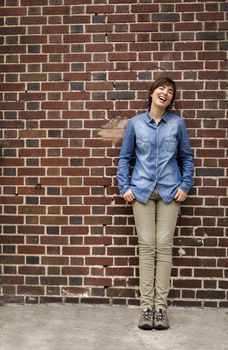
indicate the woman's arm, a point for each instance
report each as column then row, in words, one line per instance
column 186, row 159
column 125, row 156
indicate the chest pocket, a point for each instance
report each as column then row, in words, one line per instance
column 170, row 144
column 144, row 146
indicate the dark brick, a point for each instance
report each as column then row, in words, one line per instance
column 9, row 229
column 77, row 48
column 223, row 304
column 52, row 230
column 53, row 250
column 145, row 75
column 76, row 240
column 54, row 77
column 55, row 58
column 32, row 162
column 32, row 200
column 33, row 260
column 10, row 40
column 54, row 133
column 224, row 7
column 77, row 86
column 75, row 281
column 120, row 95
column 33, row 86
column 76, row 162
column 167, row 8
column 210, row 36
column 97, row 230
column 76, row 29
column 98, row 96
column 99, row 38
column 9, row 249
column 75, row 220
column 99, row 19
column 10, row 115
column 34, row 49
column 210, row 294
column 53, row 290
column 53, row 191
column 97, row 191
column 9, row 152
column 77, row 67
column 166, row 17
column 32, row 240
column 10, row 96
column 98, row 292
column 223, row 45
column 32, row 280
column 210, row 172
column 32, row 143
column 10, row 270
column 11, row 78
column 100, row 76
column 95, row 300
column 55, row 2
column 32, row 181
column 9, row 172
column 33, row 106
column 75, row 124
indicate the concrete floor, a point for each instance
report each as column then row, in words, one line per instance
column 93, row 327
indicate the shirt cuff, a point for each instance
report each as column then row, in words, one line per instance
column 124, row 190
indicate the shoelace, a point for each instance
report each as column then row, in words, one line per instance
column 160, row 315
column 147, row 314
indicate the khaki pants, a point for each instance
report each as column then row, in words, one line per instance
column 155, row 224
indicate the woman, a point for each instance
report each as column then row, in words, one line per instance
column 160, row 180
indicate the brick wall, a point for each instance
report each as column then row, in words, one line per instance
column 68, row 68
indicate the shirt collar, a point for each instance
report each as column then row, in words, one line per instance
column 150, row 120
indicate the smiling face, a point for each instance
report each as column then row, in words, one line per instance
column 165, row 87
column 162, row 96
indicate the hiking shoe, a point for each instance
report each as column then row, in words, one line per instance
column 161, row 321
column 146, row 319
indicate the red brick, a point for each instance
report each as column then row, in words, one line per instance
column 75, row 38
column 99, row 261
column 119, row 271
column 98, row 281
column 100, row 9
column 74, row 271
column 118, row 18
column 145, row 8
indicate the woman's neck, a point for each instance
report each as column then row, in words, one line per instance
column 156, row 113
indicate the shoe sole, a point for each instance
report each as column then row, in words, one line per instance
column 161, row 328
column 146, row 327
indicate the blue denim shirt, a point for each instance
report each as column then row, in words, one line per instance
column 163, row 158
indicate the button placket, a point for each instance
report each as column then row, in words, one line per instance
column 156, row 164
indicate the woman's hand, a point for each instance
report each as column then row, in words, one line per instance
column 129, row 196
column 180, row 195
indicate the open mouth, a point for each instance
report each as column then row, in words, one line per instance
column 162, row 98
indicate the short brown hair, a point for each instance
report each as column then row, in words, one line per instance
column 160, row 82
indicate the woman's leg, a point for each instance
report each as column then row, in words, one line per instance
column 144, row 215
column 165, row 226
